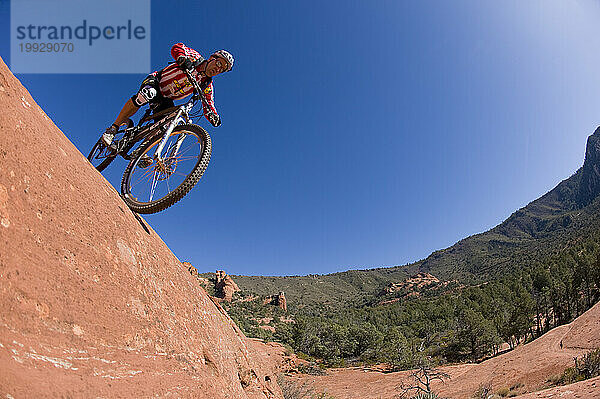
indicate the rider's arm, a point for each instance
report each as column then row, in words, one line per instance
column 210, row 112
column 181, row 50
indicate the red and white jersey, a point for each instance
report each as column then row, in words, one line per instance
column 173, row 81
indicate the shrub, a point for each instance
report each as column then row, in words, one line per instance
column 517, row 386
column 554, row 379
column 312, row 368
column 294, row 390
column 569, row 376
column 484, row 391
column 588, row 366
column 428, row 395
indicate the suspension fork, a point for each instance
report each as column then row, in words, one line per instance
column 181, row 116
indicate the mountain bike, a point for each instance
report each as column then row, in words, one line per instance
column 171, row 157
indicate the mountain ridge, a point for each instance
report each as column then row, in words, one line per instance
column 571, row 204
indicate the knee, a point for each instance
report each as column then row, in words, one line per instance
column 144, row 95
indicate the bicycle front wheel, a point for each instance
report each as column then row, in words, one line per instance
column 151, row 185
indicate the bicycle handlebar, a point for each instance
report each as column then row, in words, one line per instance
column 197, row 89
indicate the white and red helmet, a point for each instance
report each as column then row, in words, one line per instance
column 227, row 56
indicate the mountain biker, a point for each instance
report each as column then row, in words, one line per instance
column 161, row 87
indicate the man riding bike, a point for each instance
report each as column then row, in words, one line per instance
column 161, row 87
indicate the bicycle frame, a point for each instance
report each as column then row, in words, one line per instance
column 182, row 116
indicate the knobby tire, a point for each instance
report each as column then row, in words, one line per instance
column 181, row 191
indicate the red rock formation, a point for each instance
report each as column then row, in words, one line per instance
column 282, row 302
column 92, row 302
column 276, row 300
column 225, row 286
column 417, row 281
column 412, row 287
column 267, row 328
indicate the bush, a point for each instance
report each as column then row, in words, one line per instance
column 588, row 366
column 569, row 376
column 554, row 379
column 312, row 369
column 294, row 390
column 428, row 395
column 516, row 386
column 483, row 392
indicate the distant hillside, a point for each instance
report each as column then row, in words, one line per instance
column 348, row 288
column 562, row 217
column 525, row 369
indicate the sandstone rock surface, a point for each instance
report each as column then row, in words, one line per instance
column 92, row 302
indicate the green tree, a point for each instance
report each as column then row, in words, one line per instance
column 477, row 333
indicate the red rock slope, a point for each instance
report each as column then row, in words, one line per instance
column 588, row 389
column 92, row 302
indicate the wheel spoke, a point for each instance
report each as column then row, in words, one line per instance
column 154, row 182
column 189, row 157
column 147, row 179
column 146, row 173
column 186, row 149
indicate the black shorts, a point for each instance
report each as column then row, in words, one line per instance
column 149, row 92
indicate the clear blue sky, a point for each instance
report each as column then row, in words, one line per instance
column 360, row 134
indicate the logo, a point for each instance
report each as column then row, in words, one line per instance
column 80, row 36
column 179, row 89
column 84, row 31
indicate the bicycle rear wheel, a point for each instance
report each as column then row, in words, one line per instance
column 100, row 156
column 150, row 185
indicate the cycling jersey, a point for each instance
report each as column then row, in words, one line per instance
column 173, row 84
